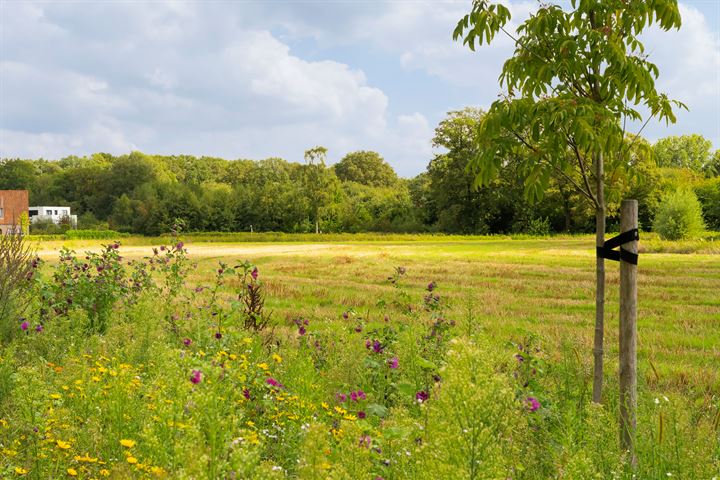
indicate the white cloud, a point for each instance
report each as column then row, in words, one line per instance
column 231, row 79
column 689, row 63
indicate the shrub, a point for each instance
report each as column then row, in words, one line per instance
column 17, row 266
column 679, row 216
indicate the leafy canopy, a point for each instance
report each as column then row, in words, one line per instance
column 574, row 79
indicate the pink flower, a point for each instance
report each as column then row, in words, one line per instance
column 393, row 362
column 365, row 441
column 340, row 397
column 179, row 246
column 24, row 326
column 196, row 376
column 187, row 342
column 421, row 396
column 39, row 328
column 254, row 274
column 533, row 404
column 273, row 382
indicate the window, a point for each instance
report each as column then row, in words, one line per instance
column 2, row 213
column 55, row 212
column 48, row 212
column 33, row 213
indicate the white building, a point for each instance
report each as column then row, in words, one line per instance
column 54, row 214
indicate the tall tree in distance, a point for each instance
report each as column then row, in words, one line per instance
column 316, row 182
column 367, row 168
column 684, row 151
column 574, row 80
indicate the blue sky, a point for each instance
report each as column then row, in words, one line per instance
column 257, row 79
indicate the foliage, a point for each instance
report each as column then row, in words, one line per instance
column 708, row 193
column 573, row 76
column 367, row 168
column 679, row 216
column 685, row 151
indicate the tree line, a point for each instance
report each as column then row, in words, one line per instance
column 146, row 194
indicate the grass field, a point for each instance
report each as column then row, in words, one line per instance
column 497, row 292
column 511, row 287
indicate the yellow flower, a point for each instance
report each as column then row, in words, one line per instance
column 62, row 445
column 277, row 357
column 105, row 472
column 55, row 396
column 263, row 366
column 132, row 460
column 247, row 340
column 157, row 471
column 20, row 471
column 72, row 472
column 127, row 443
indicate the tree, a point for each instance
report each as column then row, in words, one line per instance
column 574, row 79
column 712, row 168
column 685, row 151
column 365, row 167
column 317, row 183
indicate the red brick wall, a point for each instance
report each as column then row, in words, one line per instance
column 13, row 204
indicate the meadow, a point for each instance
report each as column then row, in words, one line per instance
column 355, row 357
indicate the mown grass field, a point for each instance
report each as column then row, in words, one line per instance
column 445, row 382
column 509, row 288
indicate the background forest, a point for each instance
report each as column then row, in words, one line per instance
column 145, row 194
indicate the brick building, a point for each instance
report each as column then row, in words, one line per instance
column 13, row 204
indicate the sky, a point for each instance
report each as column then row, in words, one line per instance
column 256, row 79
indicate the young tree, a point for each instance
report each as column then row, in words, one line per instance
column 574, row 79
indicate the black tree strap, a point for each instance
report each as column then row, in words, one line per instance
column 606, row 251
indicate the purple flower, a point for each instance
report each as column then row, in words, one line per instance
column 519, row 358
column 340, row 397
column 187, row 342
column 218, row 335
column 365, row 441
column 24, row 326
column 358, row 329
column 246, row 393
column 301, row 330
column 39, row 328
column 393, row 362
column 377, row 346
column 345, row 315
column 421, row 396
column 361, row 414
column 162, row 248
column 533, row 404
column 254, row 274
column 179, row 246
column 196, row 376
column 359, row 395
column 273, row 382
column 368, row 344
column 431, row 286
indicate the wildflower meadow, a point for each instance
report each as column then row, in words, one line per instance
column 453, row 360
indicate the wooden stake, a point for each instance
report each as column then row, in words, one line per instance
column 628, row 335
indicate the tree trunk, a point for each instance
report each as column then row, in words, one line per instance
column 317, row 227
column 599, row 279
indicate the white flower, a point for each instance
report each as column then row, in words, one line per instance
column 666, row 398
column 657, row 401
column 669, row 474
